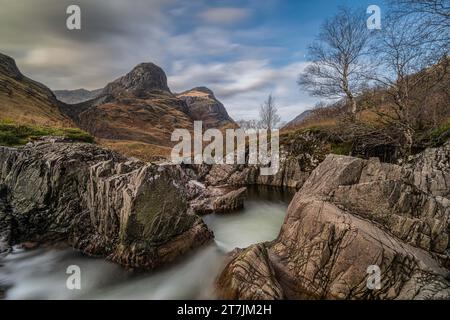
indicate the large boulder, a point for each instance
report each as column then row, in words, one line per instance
column 351, row 215
column 218, row 200
column 99, row 202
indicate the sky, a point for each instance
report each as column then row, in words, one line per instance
column 242, row 50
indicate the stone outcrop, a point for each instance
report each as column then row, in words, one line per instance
column 99, row 202
column 299, row 155
column 290, row 174
column 352, row 214
column 218, row 200
column 431, row 170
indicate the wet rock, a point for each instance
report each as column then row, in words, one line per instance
column 249, row 276
column 231, row 201
column 219, row 200
column 323, row 252
column 352, row 214
column 5, row 224
column 106, row 205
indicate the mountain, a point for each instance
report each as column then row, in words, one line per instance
column 136, row 107
column 76, row 96
column 144, row 79
column 298, row 119
column 26, row 101
column 204, row 106
column 139, row 109
column 134, row 114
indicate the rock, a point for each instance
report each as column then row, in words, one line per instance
column 431, row 170
column 249, row 276
column 289, row 175
column 351, row 214
column 218, row 200
column 231, row 201
column 5, row 224
column 299, row 155
column 323, row 252
column 29, row 245
column 99, row 202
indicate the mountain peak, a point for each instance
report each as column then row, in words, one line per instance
column 198, row 92
column 9, row 67
column 144, row 78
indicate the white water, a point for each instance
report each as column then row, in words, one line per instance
column 41, row 273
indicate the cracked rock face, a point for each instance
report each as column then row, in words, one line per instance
column 351, row 214
column 97, row 201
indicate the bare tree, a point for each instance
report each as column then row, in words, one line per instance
column 431, row 19
column 437, row 10
column 406, row 65
column 337, row 66
column 268, row 114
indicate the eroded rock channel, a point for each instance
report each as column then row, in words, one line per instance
column 348, row 214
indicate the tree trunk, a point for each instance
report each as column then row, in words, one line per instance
column 408, row 135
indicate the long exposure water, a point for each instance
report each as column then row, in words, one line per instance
column 41, row 273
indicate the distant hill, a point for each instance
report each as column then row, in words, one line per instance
column 26, row 101
column 298, row 119
column 76, row 96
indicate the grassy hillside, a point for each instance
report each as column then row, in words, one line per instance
column 14, row 134
column 27, row 101
column 376, row 130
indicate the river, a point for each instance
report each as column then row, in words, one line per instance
column 41, row 273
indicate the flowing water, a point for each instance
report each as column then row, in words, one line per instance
column 41, row 273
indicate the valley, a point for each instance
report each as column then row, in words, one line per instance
column 225, row 151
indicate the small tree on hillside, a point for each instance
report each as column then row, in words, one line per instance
column 268, row 114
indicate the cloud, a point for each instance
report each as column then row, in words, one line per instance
column 243, row 86
column 224, row 15
column 235, row 62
